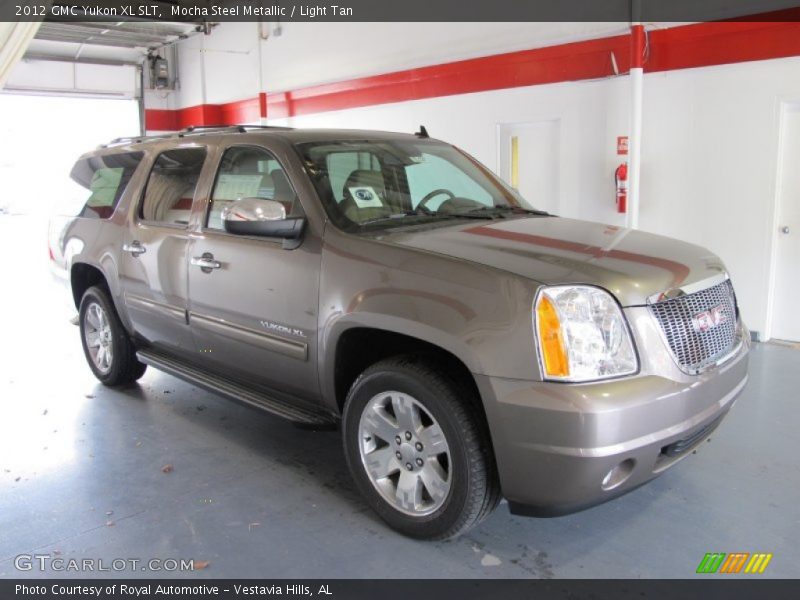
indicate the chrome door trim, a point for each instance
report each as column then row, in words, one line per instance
column 245, row 335
column 169, row 310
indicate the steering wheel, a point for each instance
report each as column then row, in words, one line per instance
column 431, row 195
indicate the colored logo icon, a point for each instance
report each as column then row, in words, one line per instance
column 735, row 562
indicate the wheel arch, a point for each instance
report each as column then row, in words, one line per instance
column 82, row 276
column 351, row 348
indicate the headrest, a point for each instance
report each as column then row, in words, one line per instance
column 365, row 177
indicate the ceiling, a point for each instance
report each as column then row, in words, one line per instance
column 105, row 42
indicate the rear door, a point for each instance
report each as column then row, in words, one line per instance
column 154, row 259
column 254, row 316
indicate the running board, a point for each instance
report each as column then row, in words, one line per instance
column 276, row 403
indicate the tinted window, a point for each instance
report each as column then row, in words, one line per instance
column 391, row 183
column 104, row 178
column 434, row 172
column 247, row 172
column 171, row 186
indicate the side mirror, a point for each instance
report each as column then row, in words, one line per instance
column 262, row 217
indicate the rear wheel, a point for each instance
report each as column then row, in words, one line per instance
column 106, row 344
column 418, row 449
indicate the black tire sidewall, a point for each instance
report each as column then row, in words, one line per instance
column 120, row 340
column 438, row 523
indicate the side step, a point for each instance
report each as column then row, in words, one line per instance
column 278, row 404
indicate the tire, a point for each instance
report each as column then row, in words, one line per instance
column 106, row 344
column 441, row 481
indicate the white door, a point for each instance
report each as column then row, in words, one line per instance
column 528, row 161
column 785, row 317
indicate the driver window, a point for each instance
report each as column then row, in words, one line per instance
column 428, row 174
column 248, row 172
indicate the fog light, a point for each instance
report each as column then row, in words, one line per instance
column 619, row 474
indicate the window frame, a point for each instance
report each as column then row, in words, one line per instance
column 206, row 230
column 140, row 203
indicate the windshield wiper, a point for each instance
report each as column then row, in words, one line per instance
column 426, row 213
column 504, row 208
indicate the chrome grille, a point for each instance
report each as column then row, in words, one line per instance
column 694, row 348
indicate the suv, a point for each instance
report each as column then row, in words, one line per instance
column 469, row 346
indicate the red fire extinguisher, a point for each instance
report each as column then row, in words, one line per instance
column 621, row 180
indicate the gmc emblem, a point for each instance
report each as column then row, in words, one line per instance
column 709, row 319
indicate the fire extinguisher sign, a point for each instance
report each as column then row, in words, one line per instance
column 622, row 145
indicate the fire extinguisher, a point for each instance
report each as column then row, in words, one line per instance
column 621, row 181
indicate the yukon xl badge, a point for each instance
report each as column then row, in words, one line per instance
column 709, row 319
column 278, row 328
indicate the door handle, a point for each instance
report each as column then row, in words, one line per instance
column 785, row 229
column 135, row 248
column 205, row 262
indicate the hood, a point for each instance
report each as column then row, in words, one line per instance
column 631, row 264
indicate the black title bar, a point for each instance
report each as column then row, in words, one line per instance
column 732, row 588
column 400, row 10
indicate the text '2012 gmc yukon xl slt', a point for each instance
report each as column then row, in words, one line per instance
column 469, row 346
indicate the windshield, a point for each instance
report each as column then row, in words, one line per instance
column 391, row 183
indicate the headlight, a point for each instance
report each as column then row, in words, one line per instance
column 582, row 334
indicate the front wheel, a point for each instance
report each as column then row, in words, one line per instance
column 106, row 344
column 418, row 449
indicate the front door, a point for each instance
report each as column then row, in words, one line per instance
column 253, row 302
column 154, row 259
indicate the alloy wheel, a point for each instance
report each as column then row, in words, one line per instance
column 405, row 453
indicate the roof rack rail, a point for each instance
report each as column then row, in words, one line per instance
column 228, row 128
column 121, row 140
column 134, row 139
column 192, row 130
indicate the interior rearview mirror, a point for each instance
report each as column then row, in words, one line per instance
column 261, row 217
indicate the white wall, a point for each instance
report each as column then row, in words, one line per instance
column 221, row 67
column 306, row 54
column 312, row 53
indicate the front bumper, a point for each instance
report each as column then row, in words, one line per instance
column 561, row 448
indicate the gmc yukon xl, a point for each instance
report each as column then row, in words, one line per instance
column 469, row 346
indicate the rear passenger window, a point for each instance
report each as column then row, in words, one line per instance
column 171, row 186
column 248, row 172
column 105, row 179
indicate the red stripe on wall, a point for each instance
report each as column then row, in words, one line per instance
column 688, row 46
column 567, row 62
column 231, row 113
column 156, row 119
column 708, row 44
column 243, row 111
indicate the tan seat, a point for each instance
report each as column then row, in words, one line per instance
column 364, row 178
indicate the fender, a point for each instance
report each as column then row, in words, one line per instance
column 330, row 335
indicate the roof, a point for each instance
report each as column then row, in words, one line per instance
column 288, row 133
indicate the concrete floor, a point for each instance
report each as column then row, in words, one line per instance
column 81, row 476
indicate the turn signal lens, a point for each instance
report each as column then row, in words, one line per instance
column 551, row 340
